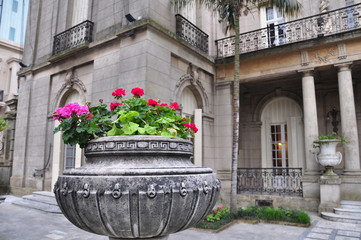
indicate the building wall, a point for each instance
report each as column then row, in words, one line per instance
column 148, row 54
column 152, row 59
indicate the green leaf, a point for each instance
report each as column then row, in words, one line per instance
column 127, row 117
column 165, row 120
column 141, row 131
column 130, row 128
column 167, row 134
column 114, row 131
column 150, row 130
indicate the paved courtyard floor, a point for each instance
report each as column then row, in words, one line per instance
column 18, row 223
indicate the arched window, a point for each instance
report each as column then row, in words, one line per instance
column 65, row 156
column 191, row 109
column 282, row 134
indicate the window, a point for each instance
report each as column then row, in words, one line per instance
column 1, row 9
column 69, row 158
column 279, row 145
column 15, row 6
column 12, row 34
column 276, row 32
column 350, row 12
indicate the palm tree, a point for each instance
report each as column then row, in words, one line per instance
column 230, row 11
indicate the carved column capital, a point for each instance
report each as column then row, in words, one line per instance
column 345, row 66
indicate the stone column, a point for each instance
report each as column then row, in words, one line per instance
column 310, row 120
column 348, row 119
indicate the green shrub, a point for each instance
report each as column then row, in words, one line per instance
column 217, row 218
column 273, row 214
column 226, row 218
column 302, row 217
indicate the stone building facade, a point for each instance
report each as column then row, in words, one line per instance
column 294, row 72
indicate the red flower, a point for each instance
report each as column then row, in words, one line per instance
column 195, row 129
column 89, row 116
column 118, row 93
column 191, row 126
column 163, row 105
column 114, row 105
column 137, row 92
column 174, row 106
column 152, row 102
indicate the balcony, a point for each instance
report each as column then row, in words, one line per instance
column 191, row 33
column 270, row 181
column 73, row 37
column 317, row 26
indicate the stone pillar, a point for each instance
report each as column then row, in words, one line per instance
column 310, row 120
column 330, row 193
column 348, row 119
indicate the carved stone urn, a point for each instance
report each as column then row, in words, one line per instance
column 327, row 156
column 137, row 187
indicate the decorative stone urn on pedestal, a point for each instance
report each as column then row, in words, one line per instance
column 327, row 156
column 137, row 187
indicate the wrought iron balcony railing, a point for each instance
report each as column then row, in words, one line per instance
column 191, row 33
column 329, row 23
column 73, row 37
column 270, row 181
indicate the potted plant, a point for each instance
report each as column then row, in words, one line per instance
column 327, row 155
column 138, row 180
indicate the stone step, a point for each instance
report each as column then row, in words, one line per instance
column 340, row 218
column 348, row 211
column 42, row 197
column 44, row 201
column 350, row 204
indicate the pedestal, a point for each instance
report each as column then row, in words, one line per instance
column 329, row 193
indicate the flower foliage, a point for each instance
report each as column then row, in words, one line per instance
column 133, row 116
column 217, row 214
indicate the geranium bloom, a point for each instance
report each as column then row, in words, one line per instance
column 70, row 110
column 163, row 105
column 174, row 106
column 114, row 105
column 152, row 102
column 191, row 126
column 137, row 92
column 118, row 93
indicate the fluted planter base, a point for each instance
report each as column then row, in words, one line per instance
column 137, row 187
column 155, row 238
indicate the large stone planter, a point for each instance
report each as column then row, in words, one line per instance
column 327, row 156
column 137, row 187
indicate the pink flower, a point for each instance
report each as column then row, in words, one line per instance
column 114, row 105
column 137, row 92
column 70, row 110
column 118, row 93
column 174, row 106
column 152, row 102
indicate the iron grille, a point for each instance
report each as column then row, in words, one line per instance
column 325, row 24
column 73, row 37
column 191, row 33
column 270, row 181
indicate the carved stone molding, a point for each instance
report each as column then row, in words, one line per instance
column 141, row 145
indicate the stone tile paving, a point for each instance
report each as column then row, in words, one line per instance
column 323, row 229
column 17, row 223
